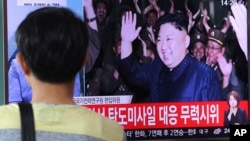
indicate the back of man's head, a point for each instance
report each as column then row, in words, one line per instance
column 53, row 42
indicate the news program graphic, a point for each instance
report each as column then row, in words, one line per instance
column 151, row 121
column 23, row 7
column 239, row 132
column 130, row 108
column 231, row 2
column 234, row 115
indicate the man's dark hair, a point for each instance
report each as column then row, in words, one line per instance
column 53, row 42
column 178, row 19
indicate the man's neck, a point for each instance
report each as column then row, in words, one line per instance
column 52, row 93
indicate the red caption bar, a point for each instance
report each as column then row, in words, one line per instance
column 166, row 115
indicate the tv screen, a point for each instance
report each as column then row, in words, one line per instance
column 155, row 92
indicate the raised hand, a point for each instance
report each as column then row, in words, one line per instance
column 152, row 2
column 226, row 68
column 128, row 30
column 227, row 24
column 135, row 1
column 239, row 23
column 205, row 18
column 137, row 7
column 129, row 33
column 190, row 20
column 171, row 10
column 87, row 3
column 90, row 13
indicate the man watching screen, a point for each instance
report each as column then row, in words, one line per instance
column 52, row 44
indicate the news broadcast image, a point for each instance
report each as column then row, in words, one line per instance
column 182, row 73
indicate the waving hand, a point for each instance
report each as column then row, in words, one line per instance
column 129, row 33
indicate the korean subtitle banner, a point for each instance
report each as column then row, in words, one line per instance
column 166, row 115
column 41, row 2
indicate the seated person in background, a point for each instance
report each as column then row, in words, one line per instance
column 234, row 115
column 52, row 44
column 174, row 76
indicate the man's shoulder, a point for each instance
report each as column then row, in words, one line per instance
column 201, row 66
column 15, row 67
column 14, row 62
column 115, row 130
column 99, row 120
column 10, row 116
column 105, row 121
column 9, row 108
column 81, row 120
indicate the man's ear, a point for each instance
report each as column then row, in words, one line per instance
column 22, row 63
column 187, row 41
column 85, row 60
column 223, row 50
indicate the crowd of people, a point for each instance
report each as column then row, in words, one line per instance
column 208, row 63
column 214, row 45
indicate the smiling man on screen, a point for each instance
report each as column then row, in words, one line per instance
column 175, row 76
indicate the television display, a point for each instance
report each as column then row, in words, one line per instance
column 14, row 12
column 155, row 92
